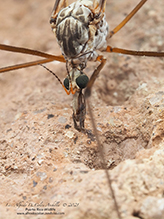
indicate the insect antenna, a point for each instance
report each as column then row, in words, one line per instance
column 52, row 73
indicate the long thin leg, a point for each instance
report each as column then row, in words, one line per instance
column 31, row 52
column 48, row 57
column 135, row 53
column 59, row 4
column 102, row 5
column 24, row 65
column 128, row 17
column 94, row 75
column 100, row 148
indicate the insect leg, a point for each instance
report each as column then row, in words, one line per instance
column 134, row 53
column 94, row 75
column 25, row 65
column 31, row 52
column 99, row 145
column 128, row 17
column 59, row 4
column 102, row 5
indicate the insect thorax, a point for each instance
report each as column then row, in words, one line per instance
column 79, row 32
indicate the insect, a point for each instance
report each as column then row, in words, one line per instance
column 81, row 30
column 79, row 44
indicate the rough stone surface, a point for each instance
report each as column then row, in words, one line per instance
column 44, row 162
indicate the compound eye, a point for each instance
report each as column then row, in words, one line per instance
column 82, row 81
column 66, row 83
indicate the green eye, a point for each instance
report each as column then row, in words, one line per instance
column 82, row 81
column 66, row 83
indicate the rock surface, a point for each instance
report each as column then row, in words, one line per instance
column 46, row 166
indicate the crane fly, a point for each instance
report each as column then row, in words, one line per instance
column 81, row 31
